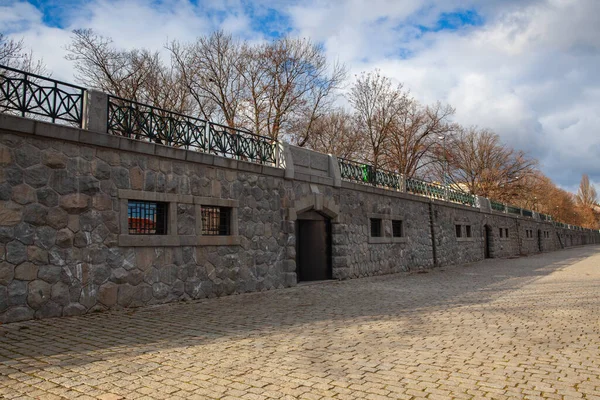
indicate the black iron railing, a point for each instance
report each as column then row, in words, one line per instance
column 144, row 122
column 422, row 188
column 497, row 206
column 35, row 96
column 527, row 213
column 367, row 174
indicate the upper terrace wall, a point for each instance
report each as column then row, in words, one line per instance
column 65, row 247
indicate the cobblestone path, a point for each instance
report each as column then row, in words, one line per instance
column 519, row 328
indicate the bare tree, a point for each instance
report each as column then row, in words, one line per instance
column 289, row 79
column 14, row 55
column 415, row 139
column 587, row 195
column 212, row 69
column 336, row 134
column 484, row 166
column 378, row 106
column 137, row 75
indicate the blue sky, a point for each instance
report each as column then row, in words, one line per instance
column 525, row 68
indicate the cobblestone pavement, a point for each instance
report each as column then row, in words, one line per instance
column 520, row 328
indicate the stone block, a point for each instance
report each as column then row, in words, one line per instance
column 7, row 273
column 27, row 156
column 26, row 271
column 63, row 182
column 51, row 273
column 5, row 156
column 44, row 237
column 57, row 218
column 64, row 238
column 7, row 234
column 47, row 197
column 88, row 185
column 16, row 252
column 49, row 310
column 100, row 169
column 108, row 294
column 23, row 194
column 54, row 159
column 120, row 177
column 35, row 214
column 5, row 191
column 37, row 255
column 16, row 314
column 38, row 293
column 37, row 176
column 9, row 216
column 73, row 309
column 136, row 176
column 75, row 203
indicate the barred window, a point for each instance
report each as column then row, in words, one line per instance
column 468, row 227
column 506, row 232
column 397, row 230
column 146, row 217
column 375, row 227
column 216, row 221
column 501, row 230
column 458, row 231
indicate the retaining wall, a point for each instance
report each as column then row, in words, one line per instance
column 65, row 247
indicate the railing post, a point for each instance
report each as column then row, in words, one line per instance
column 285, row 160
column 95, row 107
column 334, row 171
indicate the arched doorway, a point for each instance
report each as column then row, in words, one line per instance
column 487, row 239
column 313, row 246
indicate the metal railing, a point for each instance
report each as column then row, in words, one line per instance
column 30, row 95
column 152, row 124
column 367, row 174
column 497, row 206
column 358, row 172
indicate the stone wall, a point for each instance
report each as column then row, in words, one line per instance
column 65, row 248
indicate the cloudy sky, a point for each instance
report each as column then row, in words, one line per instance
column 528, row 69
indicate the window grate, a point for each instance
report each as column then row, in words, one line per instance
column 397, row 230
column 146, row 217
column 375, row 227
column 216, row 221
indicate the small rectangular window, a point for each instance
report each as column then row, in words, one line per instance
column 397, row 230
column 146, row 217
column 501, row 230
column 468, row 227
column 375, row 227
column 506, row 232
column 216, row 221
column 458, row 231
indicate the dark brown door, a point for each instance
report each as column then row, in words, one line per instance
column 314, row 255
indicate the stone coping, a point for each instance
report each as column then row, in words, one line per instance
column 14, row 124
